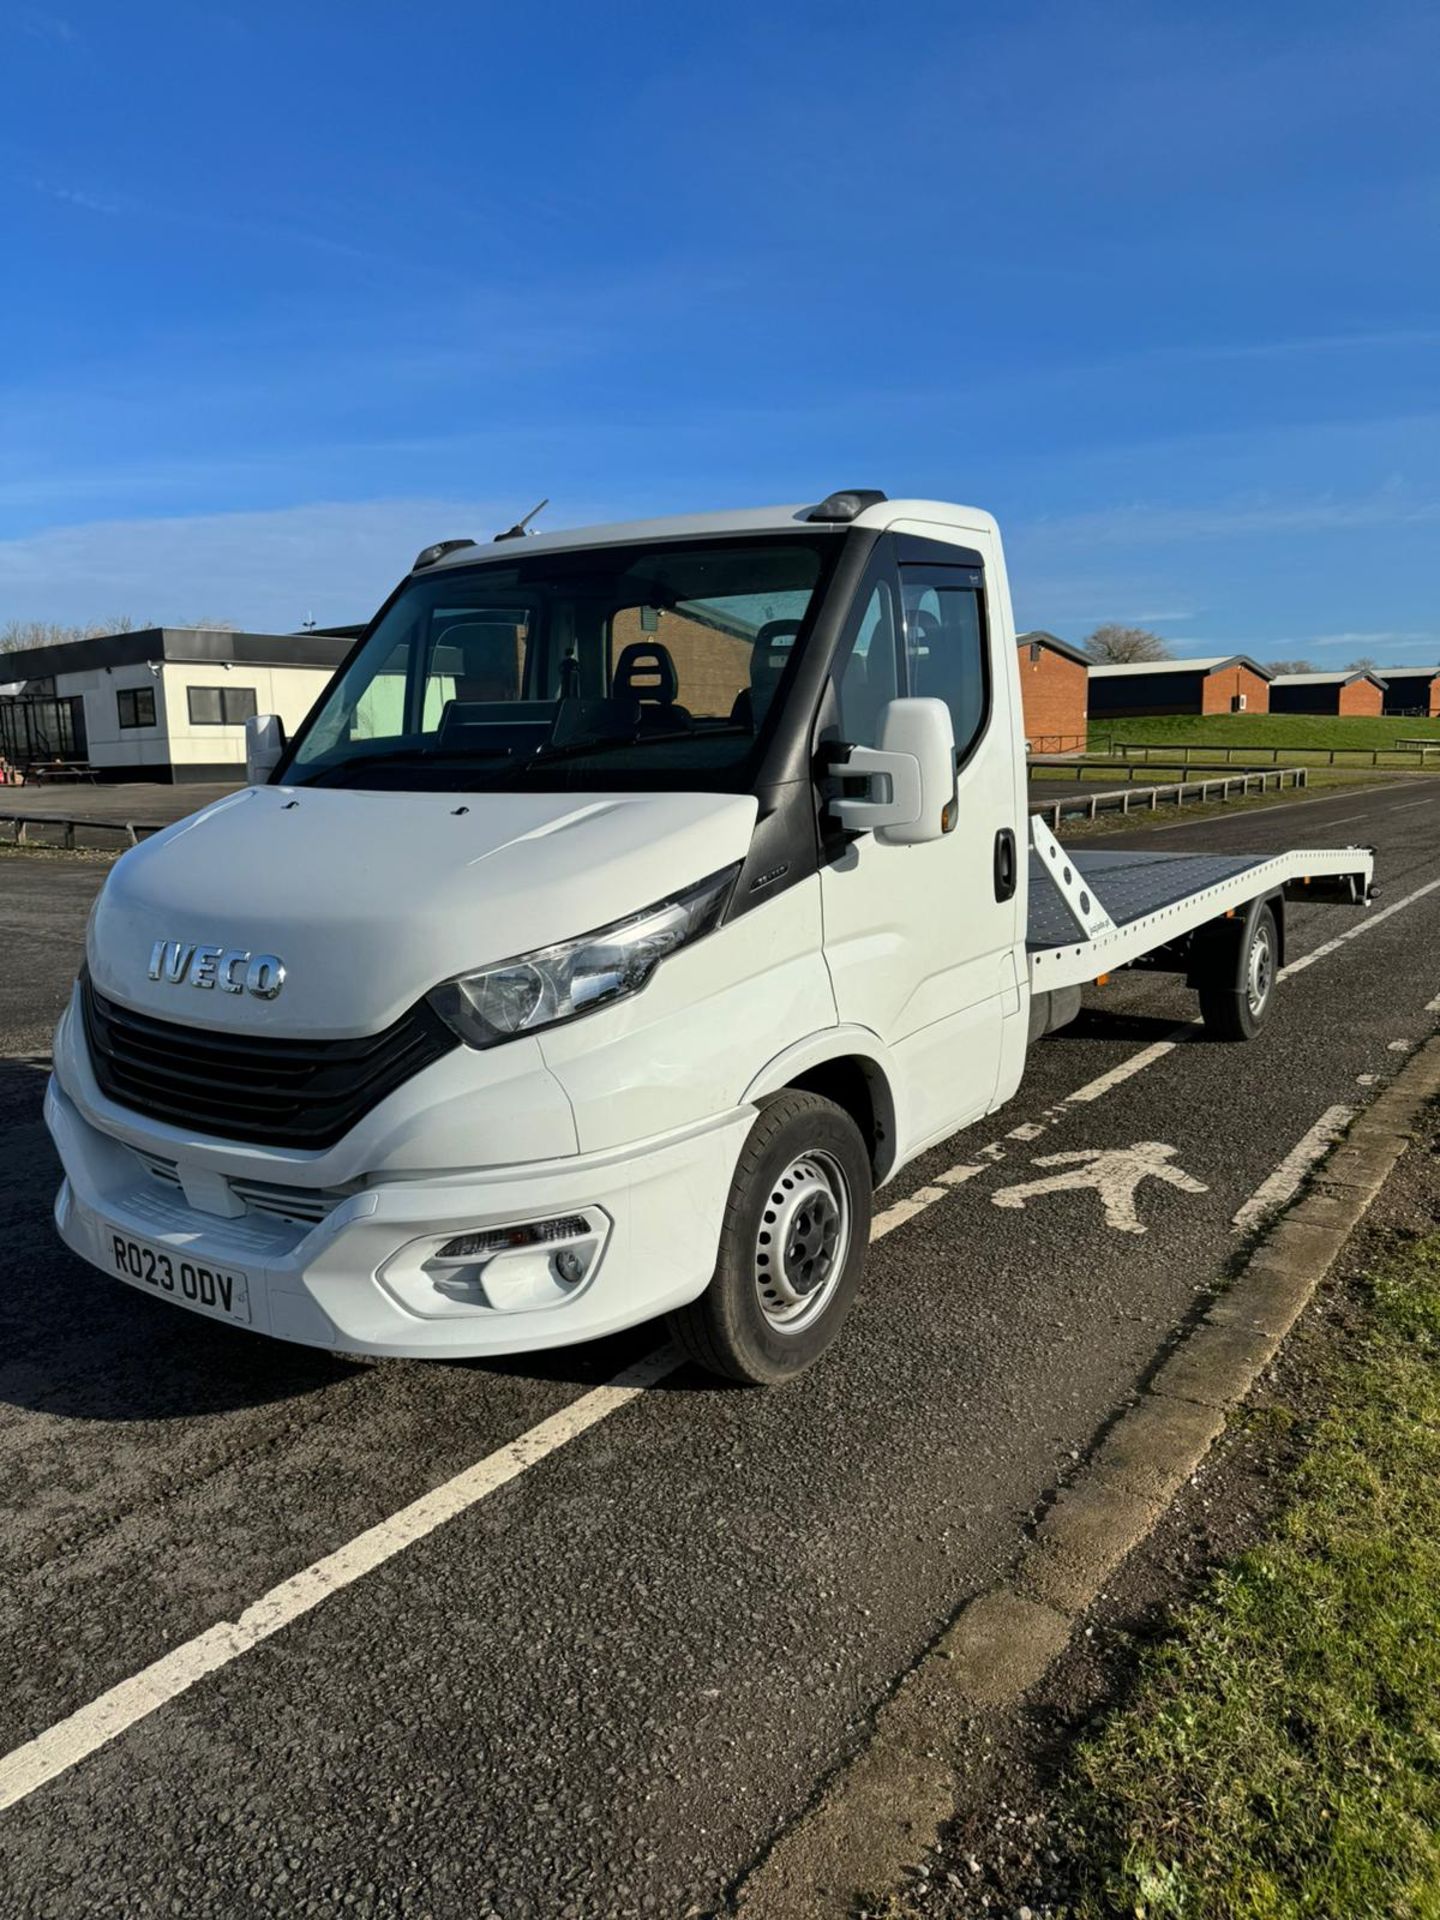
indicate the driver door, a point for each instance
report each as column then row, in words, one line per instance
column 921, row 940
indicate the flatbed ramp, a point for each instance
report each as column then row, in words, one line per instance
column 1130, row 885
column 1092, row 910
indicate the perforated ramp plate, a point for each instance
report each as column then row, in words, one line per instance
column 1128, row 886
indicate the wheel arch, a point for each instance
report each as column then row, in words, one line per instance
column 852, row 1068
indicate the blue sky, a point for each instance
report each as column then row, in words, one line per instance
column 291, row 291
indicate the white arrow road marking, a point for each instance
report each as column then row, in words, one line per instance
column 1115, row 1173
column 1275, row 1191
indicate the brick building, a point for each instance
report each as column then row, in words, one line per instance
column 1342, row 693
column 1411, row 690
column 1055, row 685
column 1230, row 683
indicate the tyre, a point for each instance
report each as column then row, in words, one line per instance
column 792, row 1245
column 1238, row 1003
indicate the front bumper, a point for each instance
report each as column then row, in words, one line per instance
column 332, row 1283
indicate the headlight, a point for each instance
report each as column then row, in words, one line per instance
column 536, row 990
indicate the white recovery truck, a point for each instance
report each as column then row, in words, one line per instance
column 634, row 902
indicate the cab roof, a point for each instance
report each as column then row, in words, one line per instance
column 943, row 515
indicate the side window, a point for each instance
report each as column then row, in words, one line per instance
column 946, row 654
column 867, row 675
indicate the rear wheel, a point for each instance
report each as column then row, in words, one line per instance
column 1236, row 1003
column 792, row 1246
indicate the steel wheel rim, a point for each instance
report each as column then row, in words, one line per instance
column 802, row 1242
column 1260, row 970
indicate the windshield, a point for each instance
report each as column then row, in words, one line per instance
column 636, row 666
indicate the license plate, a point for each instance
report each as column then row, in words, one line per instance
column 219, row 1290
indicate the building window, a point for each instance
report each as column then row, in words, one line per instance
column 220, row 706
column 136, row 706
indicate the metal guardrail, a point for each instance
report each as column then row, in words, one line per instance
column 1327, row 756
column 1089, row 806
column 1056, row 742
column 1109, row 763
column 21, row 823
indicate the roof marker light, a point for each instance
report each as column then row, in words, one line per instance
column 847, row 505
column 427, row 556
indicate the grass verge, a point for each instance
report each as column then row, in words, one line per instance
column 1280, row 1757
column 1300, row 733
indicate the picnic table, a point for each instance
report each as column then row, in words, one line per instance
column 62, row 770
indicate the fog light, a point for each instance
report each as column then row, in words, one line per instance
column 571, row 1265
column 521, row 1266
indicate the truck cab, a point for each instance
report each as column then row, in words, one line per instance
column 633, row 903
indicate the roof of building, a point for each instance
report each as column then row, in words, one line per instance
column 1326, row 679
column 1038, row 637
column 1407, row 673
column 1211, row 664
column 199, row 646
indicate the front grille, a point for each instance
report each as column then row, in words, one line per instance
column 281, row 1093
column 296, row 1204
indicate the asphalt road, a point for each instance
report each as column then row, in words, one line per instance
column 602, row 1688
column 107, row 806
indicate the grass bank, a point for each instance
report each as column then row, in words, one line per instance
column 1280, row 1756
column 1299, row 733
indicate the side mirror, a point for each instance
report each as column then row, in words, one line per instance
column 264, row 744
column 910, row 776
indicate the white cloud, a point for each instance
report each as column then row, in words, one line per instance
column 268, row 570
column 1144, row 525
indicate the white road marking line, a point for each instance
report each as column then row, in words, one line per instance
column 104, row 1719
column 1353, row 933
column 1412, row 803
column 1283, row 1182
column 1137, row 1063
column 91, row 1727
column 904, row 1210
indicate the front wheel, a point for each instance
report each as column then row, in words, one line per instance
column 792, row 1245
column 1236, row 1002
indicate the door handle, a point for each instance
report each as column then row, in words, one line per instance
column 1006, row 865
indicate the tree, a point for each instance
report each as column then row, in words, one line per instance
column 1114, row 645
column 1292, row 666
column 16, row 634
column 1363, row 665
